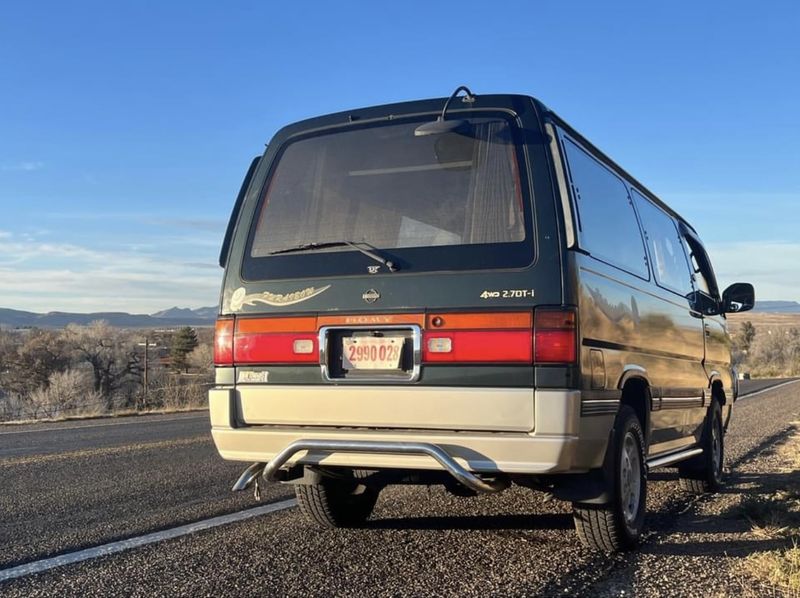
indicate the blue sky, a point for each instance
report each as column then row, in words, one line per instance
column 125, row 128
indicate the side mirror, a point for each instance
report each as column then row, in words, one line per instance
column 703, row 304
column 740, row 296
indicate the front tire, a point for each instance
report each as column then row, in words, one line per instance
column 336, row 502
column 704, row 473
column 618, row 525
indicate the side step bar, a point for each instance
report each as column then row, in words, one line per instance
column 270, row 470
column 674, row 458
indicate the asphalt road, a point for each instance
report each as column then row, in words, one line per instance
column 74, row 485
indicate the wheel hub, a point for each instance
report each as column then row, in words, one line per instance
column 630, row 478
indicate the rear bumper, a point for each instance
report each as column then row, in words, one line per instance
column 561, row 442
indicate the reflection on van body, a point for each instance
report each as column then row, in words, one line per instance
column 469, row 293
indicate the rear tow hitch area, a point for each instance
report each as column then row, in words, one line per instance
column 270, row 471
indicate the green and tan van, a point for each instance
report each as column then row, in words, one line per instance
column 466, row 292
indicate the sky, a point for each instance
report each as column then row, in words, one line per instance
column 126, row 127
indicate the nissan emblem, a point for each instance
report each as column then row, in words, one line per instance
column 371, row 296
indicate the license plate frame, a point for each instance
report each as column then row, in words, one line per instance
column 331, row 349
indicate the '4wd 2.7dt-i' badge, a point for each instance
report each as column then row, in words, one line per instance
column 371, row 296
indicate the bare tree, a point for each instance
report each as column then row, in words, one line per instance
column 67, row 393
column 201, row 359
column 110, row 354
column 30, row 364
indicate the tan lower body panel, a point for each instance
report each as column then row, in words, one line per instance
column 561, row 442
column 495, row 409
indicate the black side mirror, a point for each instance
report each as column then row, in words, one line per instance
column 703, row 304
column 740, row 296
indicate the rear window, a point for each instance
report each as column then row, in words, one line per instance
column 427, row 202
column 606, row 220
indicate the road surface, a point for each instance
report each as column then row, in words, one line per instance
column 72, row 486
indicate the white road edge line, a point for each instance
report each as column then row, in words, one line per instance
column 115, row 547
column 771, row 388
column 122, row 423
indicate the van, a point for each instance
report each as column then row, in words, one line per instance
column 466, row 292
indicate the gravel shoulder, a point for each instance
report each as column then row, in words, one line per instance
column 703, row 551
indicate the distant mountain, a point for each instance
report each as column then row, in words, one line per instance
column 203, row 316
column 781, row 307
column 184, row 313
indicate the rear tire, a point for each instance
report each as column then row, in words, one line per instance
column 704, row 473
column 618, row 525
column 336, row 502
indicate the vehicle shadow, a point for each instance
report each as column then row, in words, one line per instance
column 515, row 522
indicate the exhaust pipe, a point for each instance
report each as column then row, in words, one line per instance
column 248, row 477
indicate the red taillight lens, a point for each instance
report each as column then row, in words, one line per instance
column 223, row 342
column 477, row 346
column 555, row 336
column 275, row 348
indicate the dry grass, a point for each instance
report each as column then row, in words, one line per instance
column 780, row 569
column 772, row 516
column 764, row 321
column 778, row 516
column 105, row 415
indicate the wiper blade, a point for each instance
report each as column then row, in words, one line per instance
column 370, row 252
column 308, row 247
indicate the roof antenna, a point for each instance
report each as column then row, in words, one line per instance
column 440, row 125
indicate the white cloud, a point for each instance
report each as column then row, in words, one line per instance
column 40, row 276
column 772, row 267
column 26, row 166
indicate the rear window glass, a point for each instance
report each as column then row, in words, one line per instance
column 607, row 222
column 398, row 191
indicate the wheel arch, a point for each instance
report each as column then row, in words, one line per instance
column 635, row 386
column 717, row 388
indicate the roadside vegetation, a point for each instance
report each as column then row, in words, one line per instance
column 767, row 348
column 776, row 517
column 98, row 369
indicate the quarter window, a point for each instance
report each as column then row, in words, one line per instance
column 666, row 250
column 606, row 220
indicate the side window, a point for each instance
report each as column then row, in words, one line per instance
column 606, row 220
column 699, row 276
column 670, row 264
column 706, row 298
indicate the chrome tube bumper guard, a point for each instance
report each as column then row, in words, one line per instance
column 270, row 470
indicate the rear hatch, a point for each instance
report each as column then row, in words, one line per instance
column 380, row 277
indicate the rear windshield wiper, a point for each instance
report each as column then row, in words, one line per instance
column 357, row 245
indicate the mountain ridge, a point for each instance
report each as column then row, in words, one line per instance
column 175, row 316
column 784, row 307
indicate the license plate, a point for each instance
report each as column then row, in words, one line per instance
column 372, row 352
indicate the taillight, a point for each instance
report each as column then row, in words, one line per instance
column 275, row 340
column 223, row 342
column 478, row 346
column 275, row 348
column 555, row 335
column 504, row 337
